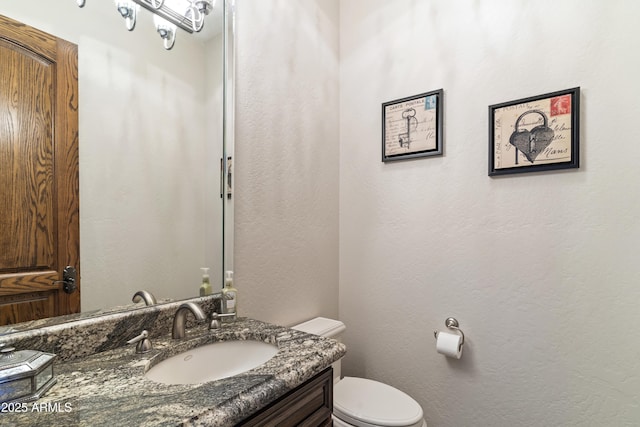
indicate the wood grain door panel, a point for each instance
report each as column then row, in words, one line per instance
column 39, row 182
column 26, row 157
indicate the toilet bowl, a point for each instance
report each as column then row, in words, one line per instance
column 363, row 402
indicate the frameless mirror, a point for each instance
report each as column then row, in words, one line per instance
column 153, row 182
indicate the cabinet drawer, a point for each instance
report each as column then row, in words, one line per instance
column 310, row 405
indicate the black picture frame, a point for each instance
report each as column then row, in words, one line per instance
column 412, row 126
column 535, row 134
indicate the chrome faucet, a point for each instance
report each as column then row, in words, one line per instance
column 146, row 296
column 181, row 316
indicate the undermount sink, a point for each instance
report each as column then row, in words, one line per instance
column 212, row 362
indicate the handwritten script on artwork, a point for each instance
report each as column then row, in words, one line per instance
column 534, row 132
column 411, row 126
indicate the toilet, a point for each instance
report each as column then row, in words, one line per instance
column 362, row 402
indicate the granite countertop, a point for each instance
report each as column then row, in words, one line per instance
column 109, row 388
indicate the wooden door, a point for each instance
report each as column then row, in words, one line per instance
column 39, row 194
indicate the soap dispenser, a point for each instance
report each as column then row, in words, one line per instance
column 230, row 295
column 205, row 287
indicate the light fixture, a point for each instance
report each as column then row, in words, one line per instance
column 196, row 11
column 157, row 4
column 169, row 15
column 167, row 31
column 129, row 10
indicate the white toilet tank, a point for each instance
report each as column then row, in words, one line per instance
column 328, row 328
column 363, row 402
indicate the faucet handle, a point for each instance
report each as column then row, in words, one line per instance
column 143, row 342
column 215, row 319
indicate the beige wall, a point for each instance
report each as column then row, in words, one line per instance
column 286, row 202
column 540, row 269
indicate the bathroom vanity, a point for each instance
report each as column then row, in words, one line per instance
column 110, row 387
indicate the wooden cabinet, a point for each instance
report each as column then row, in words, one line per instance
column 309, row 405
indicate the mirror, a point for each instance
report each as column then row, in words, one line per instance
column 151, row 148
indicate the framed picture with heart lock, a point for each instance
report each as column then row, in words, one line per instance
column 535, row 134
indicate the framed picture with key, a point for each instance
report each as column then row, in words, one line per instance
column 412, row 126
column 534, row 134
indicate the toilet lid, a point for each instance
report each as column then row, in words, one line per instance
column 368, row 403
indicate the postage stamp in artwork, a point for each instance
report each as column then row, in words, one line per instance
column 561, row 105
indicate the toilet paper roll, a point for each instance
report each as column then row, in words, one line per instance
column 449, row 345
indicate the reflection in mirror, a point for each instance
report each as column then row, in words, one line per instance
column 168, row 16
column 150, row 149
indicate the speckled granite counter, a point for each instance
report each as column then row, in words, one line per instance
column 109, row 388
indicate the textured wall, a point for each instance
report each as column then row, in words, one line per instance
column 286, row 203
column 541, row 269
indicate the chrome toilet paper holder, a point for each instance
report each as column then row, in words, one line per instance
column 453, row 324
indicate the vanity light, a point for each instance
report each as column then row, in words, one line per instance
column 128, row 10
column 197, row 10
column 169, row 15
column 167, row 31
column 157, row 4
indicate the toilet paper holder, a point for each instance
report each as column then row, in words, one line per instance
column 452, row 323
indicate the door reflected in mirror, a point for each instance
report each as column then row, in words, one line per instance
column 150, row 127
